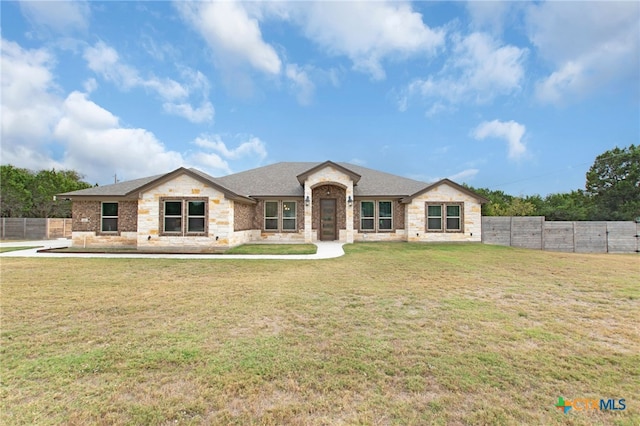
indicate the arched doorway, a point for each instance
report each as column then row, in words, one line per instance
column 329, row 211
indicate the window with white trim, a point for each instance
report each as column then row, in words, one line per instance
column 444, row 217
column 195, row 216
column 376, row 216
column 183, row 216
column 109, row 219
column 271, row 215
column 173, row 216
column 280, row 216
column 367, row 216
column 385, row 216
column 289, row 215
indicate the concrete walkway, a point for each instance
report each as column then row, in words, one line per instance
column 326, row 250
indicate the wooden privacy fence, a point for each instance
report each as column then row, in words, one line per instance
column 21, row 228
column 535, row 232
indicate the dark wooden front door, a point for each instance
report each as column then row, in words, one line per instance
column 327, row 219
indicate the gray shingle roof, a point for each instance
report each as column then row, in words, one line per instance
column 119, row 189
column 275, row 180
column 279, row 179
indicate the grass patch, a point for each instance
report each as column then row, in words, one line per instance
column 73, row 249
column 8, row 249
column 273, row 249
column 388, row 334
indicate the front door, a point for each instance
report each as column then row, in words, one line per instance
column 327, row 219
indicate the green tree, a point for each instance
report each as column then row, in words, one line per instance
column 15, row 192
column 613, row 181
column 29, row 194
column 48, row 183
column 574, row 205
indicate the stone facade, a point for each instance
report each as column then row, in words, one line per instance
column 219, row 217
column 230, row 221
column 328, row 176
column 471, row 212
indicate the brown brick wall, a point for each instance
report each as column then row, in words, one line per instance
column 258, row 219
column 330, row 191
column 91, row 210
column 243, row 216
column 127, row 216
column 398, row 214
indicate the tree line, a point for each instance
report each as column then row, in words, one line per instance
column 612, row 192
column 25, row 193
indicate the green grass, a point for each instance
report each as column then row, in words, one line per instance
column 8, row 249
column 243, row 249
column 75, row 249
column 388, row 334
column 273, row 249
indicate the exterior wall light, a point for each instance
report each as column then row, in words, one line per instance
column 307, row 201
column 350, row 201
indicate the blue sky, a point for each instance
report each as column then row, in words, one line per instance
column 514, row 96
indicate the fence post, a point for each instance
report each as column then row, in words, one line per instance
column 510, row 231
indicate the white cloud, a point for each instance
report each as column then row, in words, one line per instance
column 105, row 61
column 232, row 34
column 253, row 147
column 489, row 15
column 367, row 32
column 30, row 105
column 214, row 164
column 215, row 154
column 60, row 16
column 301, row 83
column 204, row 113
column 479, row 69
column 464, row 175
column 98, row 146
column 511, row 131
column 591, row 45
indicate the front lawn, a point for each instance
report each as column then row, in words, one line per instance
column 388, row 334
column 9, row 248
column 274, row 249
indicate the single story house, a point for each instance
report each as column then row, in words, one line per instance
column 188, row 210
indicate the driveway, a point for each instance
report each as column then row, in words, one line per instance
column 326, row 250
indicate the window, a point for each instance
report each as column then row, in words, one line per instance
column 173, row 216
column 453, row 218
column 184, row 216
column 195, row 216
column 109, row 217
column 444, row 217
column 289, row 215
column 434, row 218
column 384, row 216
column 280, row 215
column 367, row 215
column 271, row 215
column 372, row 212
